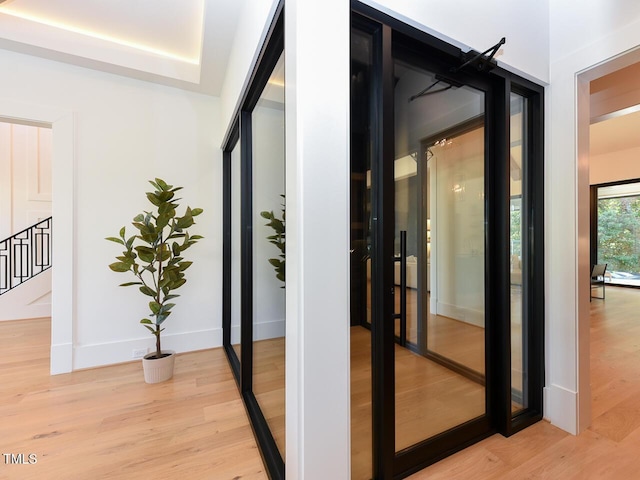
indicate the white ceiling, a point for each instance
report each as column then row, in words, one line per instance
column 181, row 43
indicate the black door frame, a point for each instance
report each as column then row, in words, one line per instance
column 390, row 37
column 593, row 210
column 240, row 133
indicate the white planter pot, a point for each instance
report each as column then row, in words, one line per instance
column 158, row 370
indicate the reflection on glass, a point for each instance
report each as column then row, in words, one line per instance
column 439, row 203
column 268, row 166
column 235, row 249
column 361, row 92
column 516, row 169
column 619, row 233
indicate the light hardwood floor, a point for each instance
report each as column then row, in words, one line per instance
column 608, row 450
column 106, row 423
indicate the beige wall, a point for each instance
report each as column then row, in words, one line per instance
column 614, row 166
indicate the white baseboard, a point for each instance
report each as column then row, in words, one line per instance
column 65, row 358
column 463, row 314
column 561, row 408
column 266, row 330
column 97, row 355
column 61, row 358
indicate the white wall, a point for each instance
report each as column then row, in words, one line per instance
column 267, row 127
column 583, row 35
column 480, row 25
column 251, row 31
column 25, row 199
column 126, row 131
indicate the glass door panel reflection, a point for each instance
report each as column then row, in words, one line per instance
column 517, row 167
column 235, row 250
column 267, row 122
column 361, row 266
column 439, row 231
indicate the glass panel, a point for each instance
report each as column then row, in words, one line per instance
column 268, row 253
column 519, row 399
column 619, row 234
column 361, row 95
column 235, row 249
column 439, row 203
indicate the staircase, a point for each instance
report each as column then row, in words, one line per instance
column 25, row 255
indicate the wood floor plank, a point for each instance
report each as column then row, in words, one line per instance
column 608, row 450
column 106, row 423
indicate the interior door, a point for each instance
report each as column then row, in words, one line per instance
column 418, row 161
column 439, row 255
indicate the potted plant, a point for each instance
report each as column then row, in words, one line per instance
column 155, row 258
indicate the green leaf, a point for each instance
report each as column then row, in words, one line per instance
column 196, row 237
column 148, row 291
column 165, row 196
column 275, row 262
column 169, row 297
column 161, row 183
column 185, row 265
column 166, row 307
column 167, row 209
column 146, row 321
column 138, row 218
column 114, row 239
column 196, row 211
column 120, row 267
column 146, row 254
column 153, row 198
column 155, row 307
column 151, row 329
column 163, row 254
column 185, row 221
column 128, row 284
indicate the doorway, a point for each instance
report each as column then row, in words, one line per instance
column 598, row 165
column 63, row 188
column 446, row 253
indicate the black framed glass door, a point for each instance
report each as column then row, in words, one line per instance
column 432, row 328
column 439, row 253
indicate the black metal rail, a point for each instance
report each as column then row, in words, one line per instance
column 25, row 255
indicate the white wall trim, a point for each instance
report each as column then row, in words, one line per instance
column 318, row 228
column 558, row 401
column 63, row 187
column 567, row 337
column 109, row 353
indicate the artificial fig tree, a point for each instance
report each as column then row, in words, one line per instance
column 277, row 239
column 155, row 254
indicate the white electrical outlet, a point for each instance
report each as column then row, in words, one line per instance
column 139, row 352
